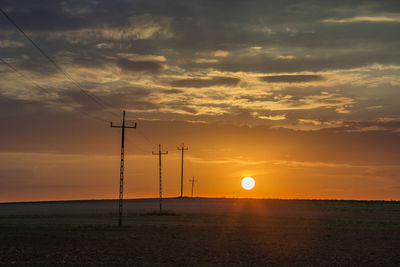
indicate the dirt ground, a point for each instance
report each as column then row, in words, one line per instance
column 206, row 232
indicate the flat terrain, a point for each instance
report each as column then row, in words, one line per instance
column 225, row 232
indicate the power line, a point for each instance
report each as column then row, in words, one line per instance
column 139, row 148
column 183, row 148
column 121, row 170
column 146, row 138
column 66, row 74
column 192, row 181
column 48, row 92
column 159, row 153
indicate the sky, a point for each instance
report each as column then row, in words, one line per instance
column 301, row 95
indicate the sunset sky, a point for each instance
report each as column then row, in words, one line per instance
column 301, row 95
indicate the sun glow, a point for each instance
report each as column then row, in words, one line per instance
column 248, row 183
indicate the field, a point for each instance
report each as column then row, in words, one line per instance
column 207, row 232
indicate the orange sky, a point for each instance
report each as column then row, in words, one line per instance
column 284, row 164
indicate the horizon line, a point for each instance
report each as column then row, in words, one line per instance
column 187, row 197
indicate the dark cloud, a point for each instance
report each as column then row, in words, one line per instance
column 127, row 97
column 89, row 60
column 252, row 98
column 17, row 107
column 289, row 28
column 43, row 18
column 382, row 124
column 37, row 65
column 330, row 61
column 299, row 29
column 172, row 91
column 138, row 66
column 292, row 78
column 200, row 83
column 184, row 108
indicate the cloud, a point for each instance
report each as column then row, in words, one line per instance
column 141, row 57
column 138, row 66
column 147, row 26
column 201, row 83
column 172, row 91
column 292, row 78
column 37, row 19
column 205, row 60
column 192, row 46
column 332, row 59
column 384, row 18
column 342, row 110
column 10, row 44
column 273, row 118
column 377, row 125
column 306, row 121
column 285, row 57
column 389, row 120
column 105, row 45
column 374, row 107
column 221, row 53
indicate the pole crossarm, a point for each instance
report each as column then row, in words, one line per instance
column 120, row 126
column 183, row 148
column 121, row 170
column 160, row 153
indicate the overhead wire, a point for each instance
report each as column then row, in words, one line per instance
column 94, row 98
column 146, row 138
column 62, row 70
column 35, row 84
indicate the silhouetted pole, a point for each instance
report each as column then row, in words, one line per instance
column 183, row 148
column 121, row 170
column 193, row 181
column 159, row 153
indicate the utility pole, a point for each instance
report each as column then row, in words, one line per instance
column 121, row 170
column 159, row 153
column 183, row 148
column 193, row 181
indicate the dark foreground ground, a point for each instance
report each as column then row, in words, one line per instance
column 208, row 232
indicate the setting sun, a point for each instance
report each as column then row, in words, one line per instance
column 248, row 183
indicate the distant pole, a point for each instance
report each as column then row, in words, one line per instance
column 159, row 153
column 193, row 181
column 183, row 148
column 121, row 170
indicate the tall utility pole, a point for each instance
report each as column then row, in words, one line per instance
column 183, row 148
column 159, row 153
column 193, row 181
column 121, row 170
